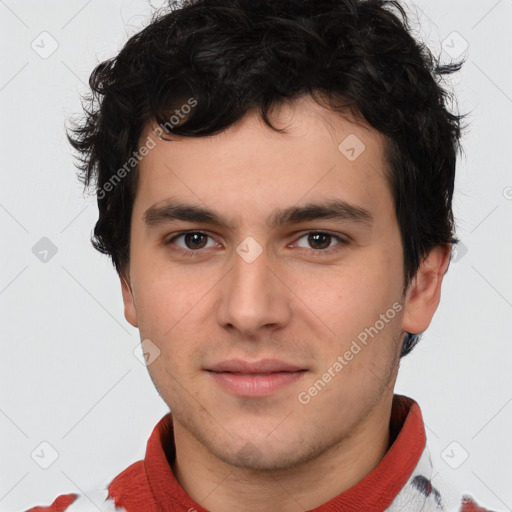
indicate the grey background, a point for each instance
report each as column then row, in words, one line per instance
column 69, row 376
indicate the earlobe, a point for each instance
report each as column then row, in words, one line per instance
column 130, row 313
column 424, row 292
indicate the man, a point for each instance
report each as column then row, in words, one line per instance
column 274, row 183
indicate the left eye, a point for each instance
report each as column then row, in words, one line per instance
column 321, row 240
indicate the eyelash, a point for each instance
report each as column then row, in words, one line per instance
column 320, row 252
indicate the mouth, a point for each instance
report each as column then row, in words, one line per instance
column 263, row 366
column 257, row 374
column 255, row 379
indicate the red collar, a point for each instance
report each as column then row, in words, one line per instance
column 150, row 485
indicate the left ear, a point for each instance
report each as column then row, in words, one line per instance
column 424, row 292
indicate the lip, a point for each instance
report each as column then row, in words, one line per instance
column 248, row 367
column 255, row 379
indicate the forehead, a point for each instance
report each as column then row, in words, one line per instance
column 251, row 168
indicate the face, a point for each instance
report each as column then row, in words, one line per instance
column 277, row 327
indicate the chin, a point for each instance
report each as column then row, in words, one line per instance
column 252, row 458
column 263, row 453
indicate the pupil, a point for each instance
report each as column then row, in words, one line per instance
column 194, row 237
column 313, row 239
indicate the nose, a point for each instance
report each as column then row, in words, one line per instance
column 253, row 297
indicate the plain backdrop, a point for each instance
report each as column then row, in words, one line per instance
column 69, row 376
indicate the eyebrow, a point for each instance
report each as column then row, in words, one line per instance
column 329, row 209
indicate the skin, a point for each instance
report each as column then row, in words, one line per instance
column 293, row 302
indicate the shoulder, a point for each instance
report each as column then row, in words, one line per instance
column 130, row 484
column 90, row 501
column 469, row 505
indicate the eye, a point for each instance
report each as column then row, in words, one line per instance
column 193, row 241
column 318, row 242
column 321, row 241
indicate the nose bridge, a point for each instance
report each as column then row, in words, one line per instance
column 252, row 296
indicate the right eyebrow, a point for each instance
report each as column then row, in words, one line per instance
column 171, row 211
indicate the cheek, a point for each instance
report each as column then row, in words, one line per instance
column 165, row 297
column 358, row 303
column 345, row 297
column 169, row 306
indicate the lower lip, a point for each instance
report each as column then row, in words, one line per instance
column 254, row 385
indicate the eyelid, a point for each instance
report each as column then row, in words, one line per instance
column 334, row 234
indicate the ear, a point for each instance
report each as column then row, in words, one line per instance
column 424, row 292
column 130, row 313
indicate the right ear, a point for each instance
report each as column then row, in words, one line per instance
column 130, row 313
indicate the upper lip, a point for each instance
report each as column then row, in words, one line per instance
column 261, row 366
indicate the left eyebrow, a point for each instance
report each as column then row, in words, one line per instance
column 329, row 209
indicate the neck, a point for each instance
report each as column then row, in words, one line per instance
column 218, row 486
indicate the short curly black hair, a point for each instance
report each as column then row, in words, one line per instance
column 235, row 56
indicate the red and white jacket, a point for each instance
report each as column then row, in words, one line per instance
column 402, row 482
